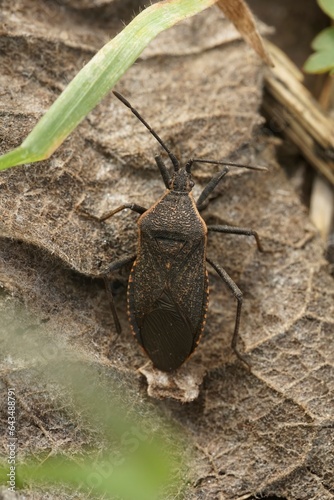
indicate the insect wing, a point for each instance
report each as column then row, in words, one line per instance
column 167, row 311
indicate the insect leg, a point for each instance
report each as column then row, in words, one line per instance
column 237, row 230
column 202, row 200
column 238, row 295
column 107, row 215
column 163, row 170
column 131, row 206
column 115, row 265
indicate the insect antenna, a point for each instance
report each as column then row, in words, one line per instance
column 135, row 112
column 229, row 164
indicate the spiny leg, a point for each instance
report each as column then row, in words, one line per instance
column 237, row 230
column 132, row 206
column 238, row 295
column 119, row 263
column 202, row 200
column 112, row 306
column 114, row 266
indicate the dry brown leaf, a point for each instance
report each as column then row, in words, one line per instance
column 241, row 16
column 266, row 431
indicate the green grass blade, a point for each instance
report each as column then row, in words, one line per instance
column 95, row 80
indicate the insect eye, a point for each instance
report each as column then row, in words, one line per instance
column 191, row 184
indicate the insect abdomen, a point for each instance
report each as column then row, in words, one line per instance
column 163, row 327
column 166, row 334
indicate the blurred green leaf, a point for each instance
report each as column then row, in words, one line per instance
column 135, row 453
column 327, row 6
column 325, row 39
column 320, row 62
column 323, row 59
column 135, row 479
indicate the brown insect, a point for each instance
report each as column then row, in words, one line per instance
column 168, row 283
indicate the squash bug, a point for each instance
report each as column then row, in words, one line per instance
column 168, row 285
